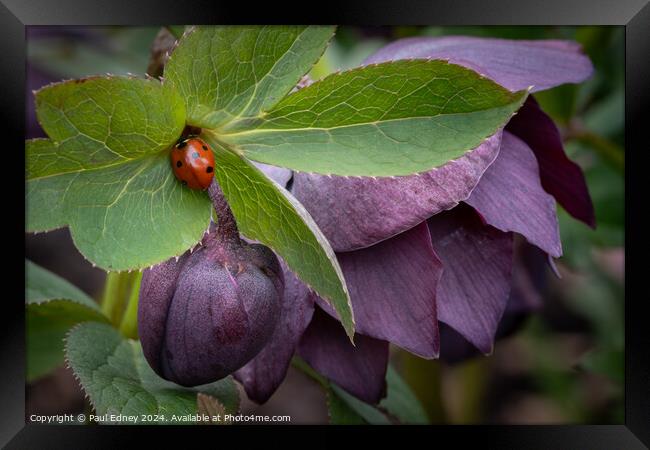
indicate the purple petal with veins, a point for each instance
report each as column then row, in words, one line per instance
column 393, row 290
column 561, row 177
column 264, row 373
column 529, row 274
column 355, row 213
column 360, row 369
column 514, row 64
column 156, row 292
column 477, row 267
column 510, row 197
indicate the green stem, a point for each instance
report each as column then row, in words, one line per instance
column 115, row 296
column 110, row 294
column 129, row 325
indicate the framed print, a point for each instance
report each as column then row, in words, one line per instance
column 398, row 219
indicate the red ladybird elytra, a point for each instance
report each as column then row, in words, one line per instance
column 193, row 163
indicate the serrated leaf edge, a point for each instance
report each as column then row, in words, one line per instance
column 192, row 29
column 237, row 148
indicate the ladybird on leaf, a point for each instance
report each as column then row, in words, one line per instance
column 193, row 163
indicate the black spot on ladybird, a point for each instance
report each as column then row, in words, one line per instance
column 204, row 147
column 178, row 163
column 209, row 169
column 195, row 155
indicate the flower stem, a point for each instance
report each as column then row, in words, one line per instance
column 115, row 295
column 129, row 324
column 226, row 225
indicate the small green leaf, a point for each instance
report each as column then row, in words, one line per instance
column 118, row 380
column 345, row 409
column 105, row 172
column 401, row 402
column 212, row 408
column 266, row 212
column 368, row 412
column 388, row 119
column 226, row 72
column 340, row 413
column 53, row 307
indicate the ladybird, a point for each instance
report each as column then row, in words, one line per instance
column 193, row 163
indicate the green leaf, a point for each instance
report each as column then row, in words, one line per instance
column 105, row 172
column 388, row 119
column 345, row 409
column 53, row 306
column 228, row 72
column 266, row 212
column 126, row 216
column 118, row 380
column 368, row 412
column 340, row 413
column 103, row 121
column 401, row 402
column 212, row 409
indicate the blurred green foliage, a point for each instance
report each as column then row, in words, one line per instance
column 99, row 50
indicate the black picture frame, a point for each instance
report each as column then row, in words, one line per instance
column 633, row 14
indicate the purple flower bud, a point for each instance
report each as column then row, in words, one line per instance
column 209, row 313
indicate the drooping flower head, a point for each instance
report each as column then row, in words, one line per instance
column 206, row 314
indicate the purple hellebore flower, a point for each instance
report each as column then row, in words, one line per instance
column 206, row 314
column 439, row 246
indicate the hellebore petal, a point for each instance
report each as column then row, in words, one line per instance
column 360, row 369
column 529, row 274
column 454, row 348
column 156, row 292
column 477, row 267
column 510, row 197
column 561, row 177
column 266, row 371
column 529, row 278
column 354, row 213
column 514, row 64
column 393, row 290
